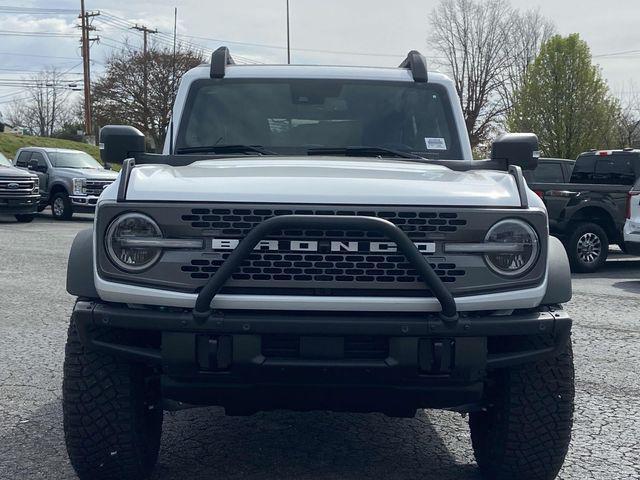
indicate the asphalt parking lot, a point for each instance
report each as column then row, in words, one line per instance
column 203, row 444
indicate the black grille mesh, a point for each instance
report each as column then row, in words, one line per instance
column 317, row 267
column 238, row 222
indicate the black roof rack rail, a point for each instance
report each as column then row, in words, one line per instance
column 219, row 61
column 416, row 62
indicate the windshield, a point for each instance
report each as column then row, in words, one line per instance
column 73, row 160
column 4, row 161
column 289, row 116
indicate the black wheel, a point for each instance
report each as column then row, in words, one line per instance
column 587, row 247
column 524, row 434
column 111, row 411
column 61, row 206
column 24, row 217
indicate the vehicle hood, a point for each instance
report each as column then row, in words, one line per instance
column 328, row 180
column 86, row 173
column 15, row 172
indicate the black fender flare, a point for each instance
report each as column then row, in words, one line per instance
column 558, row 274
column 80, row 266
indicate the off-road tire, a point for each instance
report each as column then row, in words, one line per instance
column 64, row 213
column 578, row 264
column 112, row 416
column 525, row 432
column 24, row 217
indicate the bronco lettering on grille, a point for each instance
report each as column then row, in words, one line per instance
column 319, row 246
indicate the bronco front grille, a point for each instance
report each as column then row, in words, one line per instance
column 238, row 222
column 324, row 269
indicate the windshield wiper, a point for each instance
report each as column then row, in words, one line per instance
column 364, row 151
column 227, row 149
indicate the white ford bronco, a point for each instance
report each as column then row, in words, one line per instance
column 318, row 237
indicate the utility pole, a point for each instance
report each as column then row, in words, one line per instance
column 86, row 27
column 288, row 38
column 145, row 32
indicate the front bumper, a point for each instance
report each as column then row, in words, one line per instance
column 632, row 237
column 19, row 205
column 391, row 362
column 84, row 203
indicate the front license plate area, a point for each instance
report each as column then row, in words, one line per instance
column 321, row 347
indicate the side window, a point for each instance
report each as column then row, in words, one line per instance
column 40, row 158
column 22, row 159
column 548, row 172
column 583, row 170
column 615, row 171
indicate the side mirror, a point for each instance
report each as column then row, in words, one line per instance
column 517, row 149
column 119, row 142
column 33, row 165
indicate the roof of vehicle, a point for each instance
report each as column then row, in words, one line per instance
column 314, row 71
column 606, row 153
column 51, row 149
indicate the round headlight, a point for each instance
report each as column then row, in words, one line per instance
column 123, row 242
column 519, row 251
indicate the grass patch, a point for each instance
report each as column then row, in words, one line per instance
column 10, row 143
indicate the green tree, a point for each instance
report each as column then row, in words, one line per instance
column 565, row 101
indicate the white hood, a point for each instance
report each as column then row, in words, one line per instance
column 328, row 180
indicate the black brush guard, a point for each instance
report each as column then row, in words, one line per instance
column 448, row 313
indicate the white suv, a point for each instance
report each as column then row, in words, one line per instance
column 318, row 238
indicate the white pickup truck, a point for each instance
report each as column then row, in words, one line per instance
column 318, row 238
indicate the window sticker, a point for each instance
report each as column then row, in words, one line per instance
column 435, row 143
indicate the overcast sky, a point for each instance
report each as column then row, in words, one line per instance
column 361, row 32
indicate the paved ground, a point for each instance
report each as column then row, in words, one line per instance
column 203, row 444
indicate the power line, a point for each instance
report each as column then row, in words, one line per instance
column 613, row 54
column 161, row 38
column 35, row 10
column 35, row 55
column 17, row 33
column 23, row 70
column 126, row 24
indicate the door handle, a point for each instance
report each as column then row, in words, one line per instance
column 562, row 193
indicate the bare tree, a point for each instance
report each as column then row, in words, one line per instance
column 487, row 47
column 119, row 95
column 531, row 30
column 45, row 107
column 629, row 121
column 473, row 36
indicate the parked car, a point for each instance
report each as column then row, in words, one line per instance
column 70, row 180
column 550, row 170
column 19, row 194
column 632, row 225
column 318, row 237
column 589, row 211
